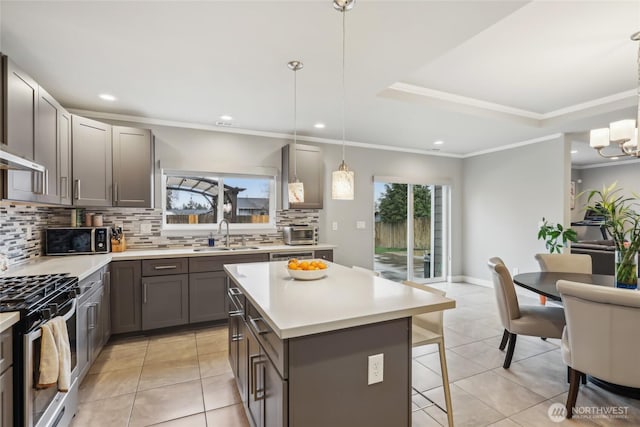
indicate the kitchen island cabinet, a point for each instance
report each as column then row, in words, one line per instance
column 308, row 342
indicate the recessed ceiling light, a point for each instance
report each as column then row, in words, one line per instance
column 574, row 151
column 226, row 118
column 319, row 126
column 438, row 143
column 107, row 97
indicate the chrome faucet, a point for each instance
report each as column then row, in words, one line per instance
column 225, row 221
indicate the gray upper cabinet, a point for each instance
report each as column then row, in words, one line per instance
column 310, row 171
column 132, row 167
column 47, row 148
column 92, row 162
column 64, row 151
column 21, row 113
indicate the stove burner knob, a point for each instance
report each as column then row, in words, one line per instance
column 45, row 313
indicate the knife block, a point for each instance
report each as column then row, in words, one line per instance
column 119, row 246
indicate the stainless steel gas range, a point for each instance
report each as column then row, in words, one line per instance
column 38, row 299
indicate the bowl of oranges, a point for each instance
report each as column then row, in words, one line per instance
column 308, row 269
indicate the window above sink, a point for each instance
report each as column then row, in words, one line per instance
column 198, row 201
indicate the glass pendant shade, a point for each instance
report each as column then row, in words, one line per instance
column 296, row 192
column 342, row 183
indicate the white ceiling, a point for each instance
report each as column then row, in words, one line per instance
column 478, row 75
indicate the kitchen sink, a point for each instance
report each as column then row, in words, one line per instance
column 212, row 249
column 223, row 248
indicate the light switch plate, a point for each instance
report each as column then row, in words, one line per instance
column 361, row 225
column 334, row 225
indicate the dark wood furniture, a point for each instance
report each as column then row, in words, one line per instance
column 544, row 283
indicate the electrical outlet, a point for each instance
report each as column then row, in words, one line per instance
column 361, row 225
column 145, row 228
column 516, row 270
column 334, row 225
column 376, row 368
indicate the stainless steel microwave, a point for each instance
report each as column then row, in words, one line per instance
column 77, row 240
column 299, row 235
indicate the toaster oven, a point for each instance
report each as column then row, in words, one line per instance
column 299, row 235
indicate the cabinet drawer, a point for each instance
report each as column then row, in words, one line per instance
column 165, row 266
column 216, row 263
column 325, row 254
column 276, row 349
column 6, row 349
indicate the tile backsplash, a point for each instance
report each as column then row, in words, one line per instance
column 21, row 228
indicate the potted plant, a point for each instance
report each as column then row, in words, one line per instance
column 555, row 236
column 623, row 224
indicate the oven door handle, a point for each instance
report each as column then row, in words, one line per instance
column 38, row 332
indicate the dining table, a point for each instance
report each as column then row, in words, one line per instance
column 544, row 283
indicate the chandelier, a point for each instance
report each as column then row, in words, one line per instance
column 624, row 133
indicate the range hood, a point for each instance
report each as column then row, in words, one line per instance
column 13, row 162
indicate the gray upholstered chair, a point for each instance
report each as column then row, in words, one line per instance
column 601, row 337
column 537, row 321
column 565, row 263
column 426, row 329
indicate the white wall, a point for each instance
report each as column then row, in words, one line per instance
column 180, row 148
column 506, row 194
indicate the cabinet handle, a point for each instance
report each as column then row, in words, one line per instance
column 234, row 292
column 145, row 294
column 256, row 327
column 237, row 337
column 257, row 397
column 252, row 376
column 64, row 190
column 45, row 182
column 236, row 313
column 115, row 192
column 76, row 189
column 165, row 267
column 91, row 316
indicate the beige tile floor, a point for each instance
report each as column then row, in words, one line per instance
column 184, row 379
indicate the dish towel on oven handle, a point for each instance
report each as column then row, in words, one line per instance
column 55, row 355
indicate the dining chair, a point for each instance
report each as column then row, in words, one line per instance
column 426, row 329
column 532, row 320
column 365, row 270
column 563, row 263
column 601, row 337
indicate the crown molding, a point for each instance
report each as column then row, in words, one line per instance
column 199, row 126
column 514, row 145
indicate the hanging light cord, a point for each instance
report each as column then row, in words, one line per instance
column 344, row 91
column 295, row 124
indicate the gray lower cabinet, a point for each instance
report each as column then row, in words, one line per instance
column 292, row 382
column 126, row 296
column 6, row 398
column 105, row 307
column 207, row 293
column 91, row 328
column 6, row 378
column 325, row 254
column 92, row 162
column 132, row 167
column 165, row 301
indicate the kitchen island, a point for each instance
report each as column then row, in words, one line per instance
column 300, row 350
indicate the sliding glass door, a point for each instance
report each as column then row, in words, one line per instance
column 410, row 230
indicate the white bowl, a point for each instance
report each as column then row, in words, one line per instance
column 308, row 274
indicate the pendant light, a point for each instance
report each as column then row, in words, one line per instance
column 342, row 180
column 296, row 188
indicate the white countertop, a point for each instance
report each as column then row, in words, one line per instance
column 344, row 298
column 7, row 320
column 82, row 266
